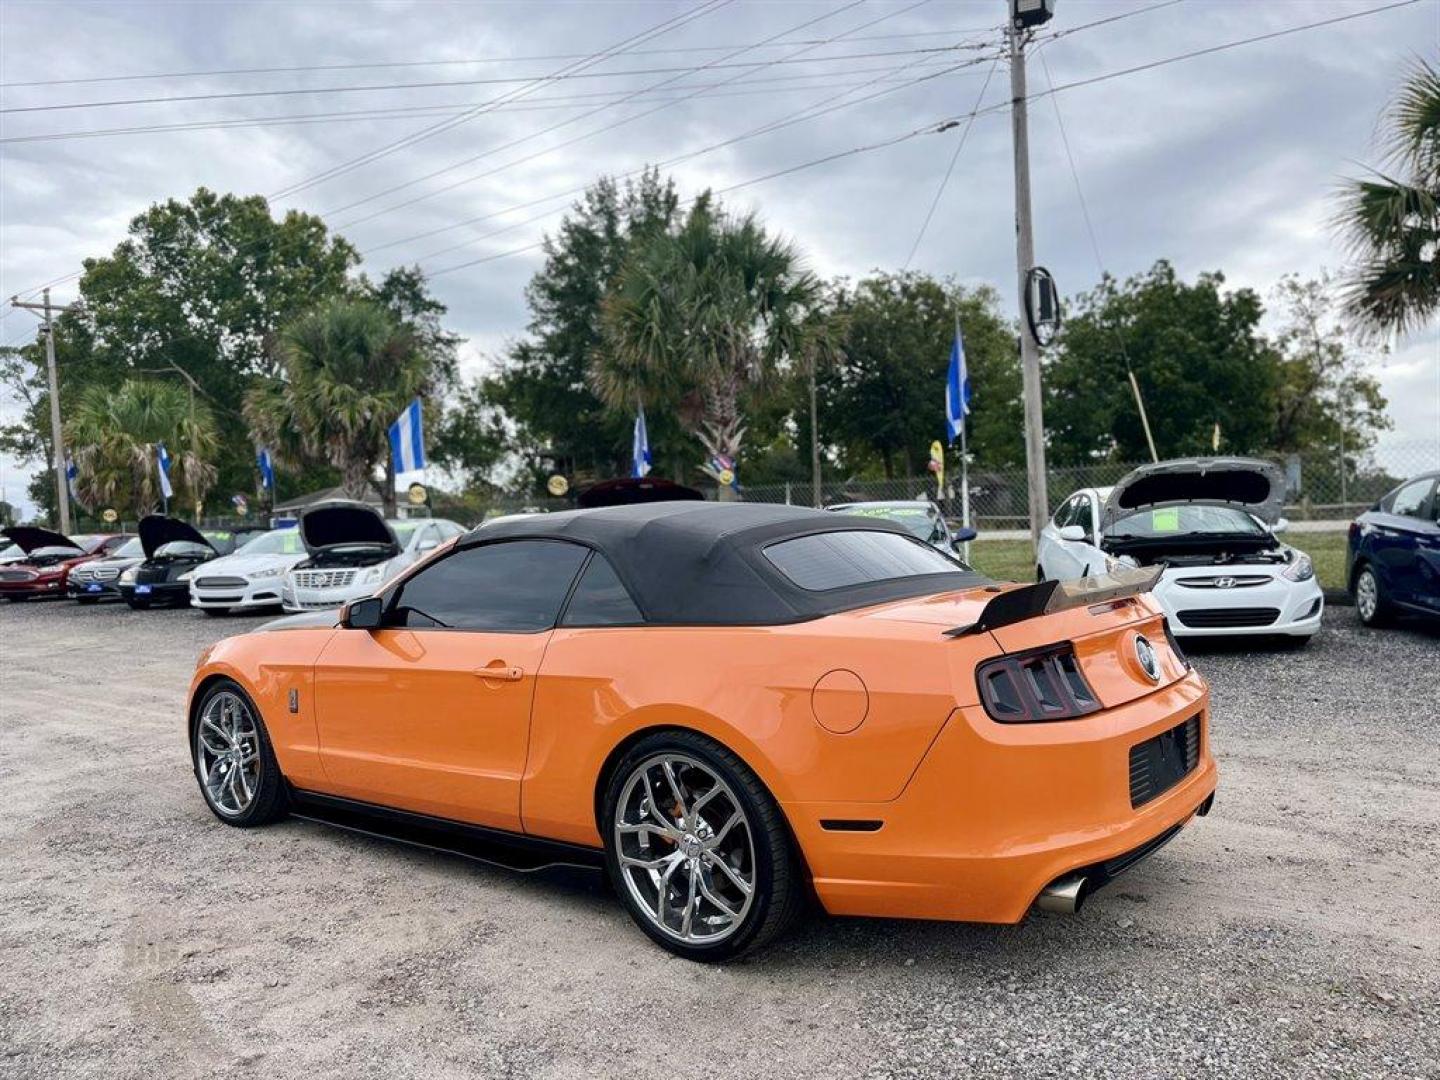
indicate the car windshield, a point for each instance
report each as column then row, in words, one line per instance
column 1170, row 521
column 404, row 528
column 51, row 552
column 277, row 542
column 834, row 560
column 181, row 549
column 920, row 520
column 131, row 549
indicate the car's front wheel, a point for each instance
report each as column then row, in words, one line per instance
column 234, row 762
column 698, row 849
column 1370, row 602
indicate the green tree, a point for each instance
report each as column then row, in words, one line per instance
column 704, row 314
column 1392, row 221
column 542, row 384
column 1197, row 353
column 883, row 404
column 112, row 436
column 345, row 372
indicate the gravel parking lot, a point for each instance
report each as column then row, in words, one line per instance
column 1294, row 932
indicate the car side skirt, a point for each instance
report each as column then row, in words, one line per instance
column 495, row 847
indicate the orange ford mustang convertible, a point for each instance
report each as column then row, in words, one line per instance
column 729, row 708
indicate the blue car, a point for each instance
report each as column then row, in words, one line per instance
column 1393, row 556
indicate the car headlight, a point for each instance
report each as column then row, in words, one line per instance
column 1302, row 569
column 128, row 576
column 374, row 574
column 186, row 576
column 274, row 571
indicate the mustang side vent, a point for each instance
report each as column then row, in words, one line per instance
column 1035, row 687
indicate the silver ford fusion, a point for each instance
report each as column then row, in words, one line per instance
column 251, row 578
column 1211, row 524
column 351, row 551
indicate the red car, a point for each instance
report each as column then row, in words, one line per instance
column 45, row 570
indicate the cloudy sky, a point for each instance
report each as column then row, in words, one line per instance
column 1224, row 161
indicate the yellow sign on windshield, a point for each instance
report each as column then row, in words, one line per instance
column 1166, row 520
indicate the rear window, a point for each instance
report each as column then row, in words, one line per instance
column 834, row 560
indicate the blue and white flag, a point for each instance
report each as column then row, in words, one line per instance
column 71, row 472
column 162, row 466
column 957, row 389
column 640, row 448
column 267, row 468
column 407, row 440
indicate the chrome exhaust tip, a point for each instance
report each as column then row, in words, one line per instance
column 1064, row 896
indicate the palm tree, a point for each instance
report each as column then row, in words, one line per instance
column 347, row 372
column 1392, row 222
column 113, row 434
column 701, row 317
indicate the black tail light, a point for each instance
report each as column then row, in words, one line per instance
column 1035, row 686
column 1174, row 645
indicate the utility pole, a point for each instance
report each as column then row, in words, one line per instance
column 57, row 439
column 1022, row 16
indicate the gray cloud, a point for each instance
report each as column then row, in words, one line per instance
column 1221, row 162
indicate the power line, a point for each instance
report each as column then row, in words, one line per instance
column 231, row 95
column 572, row 101
column 306, row 68
column 1068, row 30
column 432, row 130
column 570, row 142
column 945, row 180
column 574, row 119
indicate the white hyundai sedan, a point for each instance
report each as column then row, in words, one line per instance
column 1211, row 523
column 250, row 578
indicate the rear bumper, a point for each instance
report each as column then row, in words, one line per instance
column 996, row 812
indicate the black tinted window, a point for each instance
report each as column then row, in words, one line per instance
column 834, row 560
column 600, row 599
column 516, row 587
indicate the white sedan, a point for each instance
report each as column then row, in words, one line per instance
column 1212, row 524
column 250, row 578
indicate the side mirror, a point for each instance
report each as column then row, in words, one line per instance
column 1074, row 534
column 363, row 614
column 963, row 535
column 1280, row 526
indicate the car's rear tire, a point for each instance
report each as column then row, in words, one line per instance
column 1371, row 604
column 686, row 822
column 235, row 765
column 1039, row 573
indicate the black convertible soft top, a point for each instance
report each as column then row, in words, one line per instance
column 701, row 563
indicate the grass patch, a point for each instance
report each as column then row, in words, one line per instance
column 1013, row 560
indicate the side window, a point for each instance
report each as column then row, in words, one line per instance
column 515, row 587
column 1410, row 500
column 1062, row 515
column 600, row 599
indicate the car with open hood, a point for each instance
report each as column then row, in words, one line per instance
column 250, row 578
column 728, row 708
column 351, row 550
column 1211, row 525
column 1393, row 553
column 99, row 579
column 47, row 559
column 921, row 516
column 173, row 550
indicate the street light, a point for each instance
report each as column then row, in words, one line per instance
column 1028, row 13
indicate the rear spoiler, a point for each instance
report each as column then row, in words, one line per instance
column 1032, row 601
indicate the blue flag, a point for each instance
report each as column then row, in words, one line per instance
column 407, row 439
column 162, row 465
column 267, row 468
column 640, row 448
column 957, row 389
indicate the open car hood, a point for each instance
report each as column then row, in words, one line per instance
column 628, row 491
column 29, row 538
column 1257, row 487
column 340, row 523
column 157, row 530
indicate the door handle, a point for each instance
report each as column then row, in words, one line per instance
column 498, row 672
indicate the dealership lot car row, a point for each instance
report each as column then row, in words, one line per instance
column 729, row 708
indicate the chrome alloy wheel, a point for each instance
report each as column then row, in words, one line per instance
column 685, row 850
column 1367, row 595
column 227, row 754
